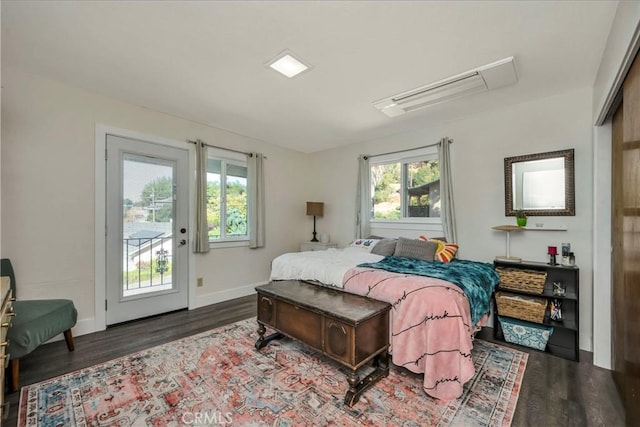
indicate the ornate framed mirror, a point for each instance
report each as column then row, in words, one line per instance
column 540, row 184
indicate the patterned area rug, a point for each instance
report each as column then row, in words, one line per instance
column 218, row 378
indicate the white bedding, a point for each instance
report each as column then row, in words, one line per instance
column 327, row 267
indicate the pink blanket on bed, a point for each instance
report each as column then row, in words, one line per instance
column 431, row 329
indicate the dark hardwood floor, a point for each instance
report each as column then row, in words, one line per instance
column 561, row 392
column 555, row 391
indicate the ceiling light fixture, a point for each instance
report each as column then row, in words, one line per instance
column 286, row 63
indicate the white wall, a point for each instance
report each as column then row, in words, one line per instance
column 602, row 283
column 480, row 145
column 48, row 192
column 618, row 49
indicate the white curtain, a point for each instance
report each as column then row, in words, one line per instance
column 256, row 200
column 201, row 238
column 363, row 199
column 447, row 211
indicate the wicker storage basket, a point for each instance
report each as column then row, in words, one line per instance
column 521, row 307
column 522, row 280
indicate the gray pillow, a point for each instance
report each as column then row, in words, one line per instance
column 385, row 247
column 416, row 248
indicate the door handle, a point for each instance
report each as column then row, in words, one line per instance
column 183, row 242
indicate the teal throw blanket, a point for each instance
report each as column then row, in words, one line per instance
column 476, row 279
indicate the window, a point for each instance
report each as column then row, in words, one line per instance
column 406, row 187
column 227, row 198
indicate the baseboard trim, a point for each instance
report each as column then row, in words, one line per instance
column 82, row 327
column 88, row 326
column 226, row 295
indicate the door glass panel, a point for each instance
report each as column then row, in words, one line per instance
column 147, row 224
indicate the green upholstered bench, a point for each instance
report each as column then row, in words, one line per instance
column 35, row 322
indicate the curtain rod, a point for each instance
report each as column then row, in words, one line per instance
column 222, row 148
column 368, row 156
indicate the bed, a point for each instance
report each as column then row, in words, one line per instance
column 436, row 306
column 324, row 267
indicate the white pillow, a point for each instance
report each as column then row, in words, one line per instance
column 364, row 244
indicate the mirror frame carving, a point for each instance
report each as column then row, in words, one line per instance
column 569, row 184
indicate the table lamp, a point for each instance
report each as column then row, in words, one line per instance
column 508, row 229
column 315, row 209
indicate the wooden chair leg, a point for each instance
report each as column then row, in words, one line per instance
column 68, row 337
column 14, row 368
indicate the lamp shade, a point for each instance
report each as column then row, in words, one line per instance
column 315, row 208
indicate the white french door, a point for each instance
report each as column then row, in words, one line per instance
column 146, row 235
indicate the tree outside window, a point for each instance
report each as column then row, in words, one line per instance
column 157, row 196
column 408, row 189
column 226, row 204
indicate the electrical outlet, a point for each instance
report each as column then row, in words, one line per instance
column 200, row 282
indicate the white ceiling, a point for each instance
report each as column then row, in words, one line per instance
column 205, row 61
